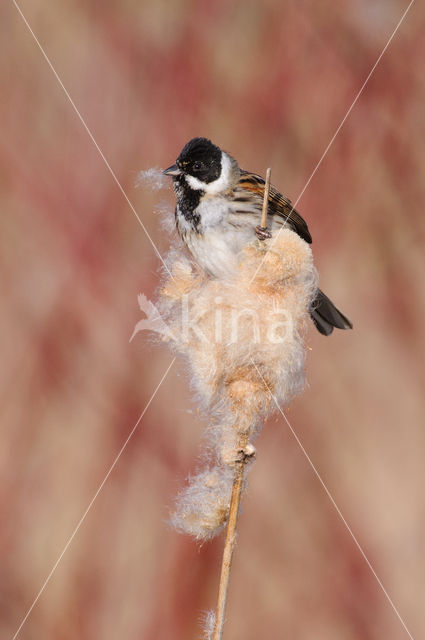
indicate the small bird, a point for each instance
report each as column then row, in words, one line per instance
column 218, row 212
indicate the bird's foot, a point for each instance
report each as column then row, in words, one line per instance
column 262, row 233
column 241, row 455
column 246, row 453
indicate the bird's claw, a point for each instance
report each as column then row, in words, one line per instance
column 246, row 453
column 262, row 233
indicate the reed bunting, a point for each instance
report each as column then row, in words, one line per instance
column 218, row 212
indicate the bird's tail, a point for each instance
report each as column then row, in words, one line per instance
column 326, row 316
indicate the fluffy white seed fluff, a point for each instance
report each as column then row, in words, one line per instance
column 152, row 178
column 201, row 508
column 223, row 327
column 208, row 624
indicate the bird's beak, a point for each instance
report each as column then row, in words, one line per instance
column 172, row 171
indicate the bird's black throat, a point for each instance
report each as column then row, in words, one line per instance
column 188, row 200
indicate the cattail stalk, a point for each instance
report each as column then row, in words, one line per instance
column 230, row 540
column 263, row 223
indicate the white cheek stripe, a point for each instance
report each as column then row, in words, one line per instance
column 221, row 184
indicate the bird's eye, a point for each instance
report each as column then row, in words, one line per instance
column 198, row 166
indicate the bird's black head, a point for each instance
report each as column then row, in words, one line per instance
column 199, row 158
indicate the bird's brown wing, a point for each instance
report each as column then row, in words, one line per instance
column 278, row 204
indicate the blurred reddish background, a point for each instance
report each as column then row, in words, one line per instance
column 270, row 82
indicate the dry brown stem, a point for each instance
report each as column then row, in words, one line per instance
column 243, row 441
column 230, row 540
column 263, row 222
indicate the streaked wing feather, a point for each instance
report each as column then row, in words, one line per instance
column 279, row 205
